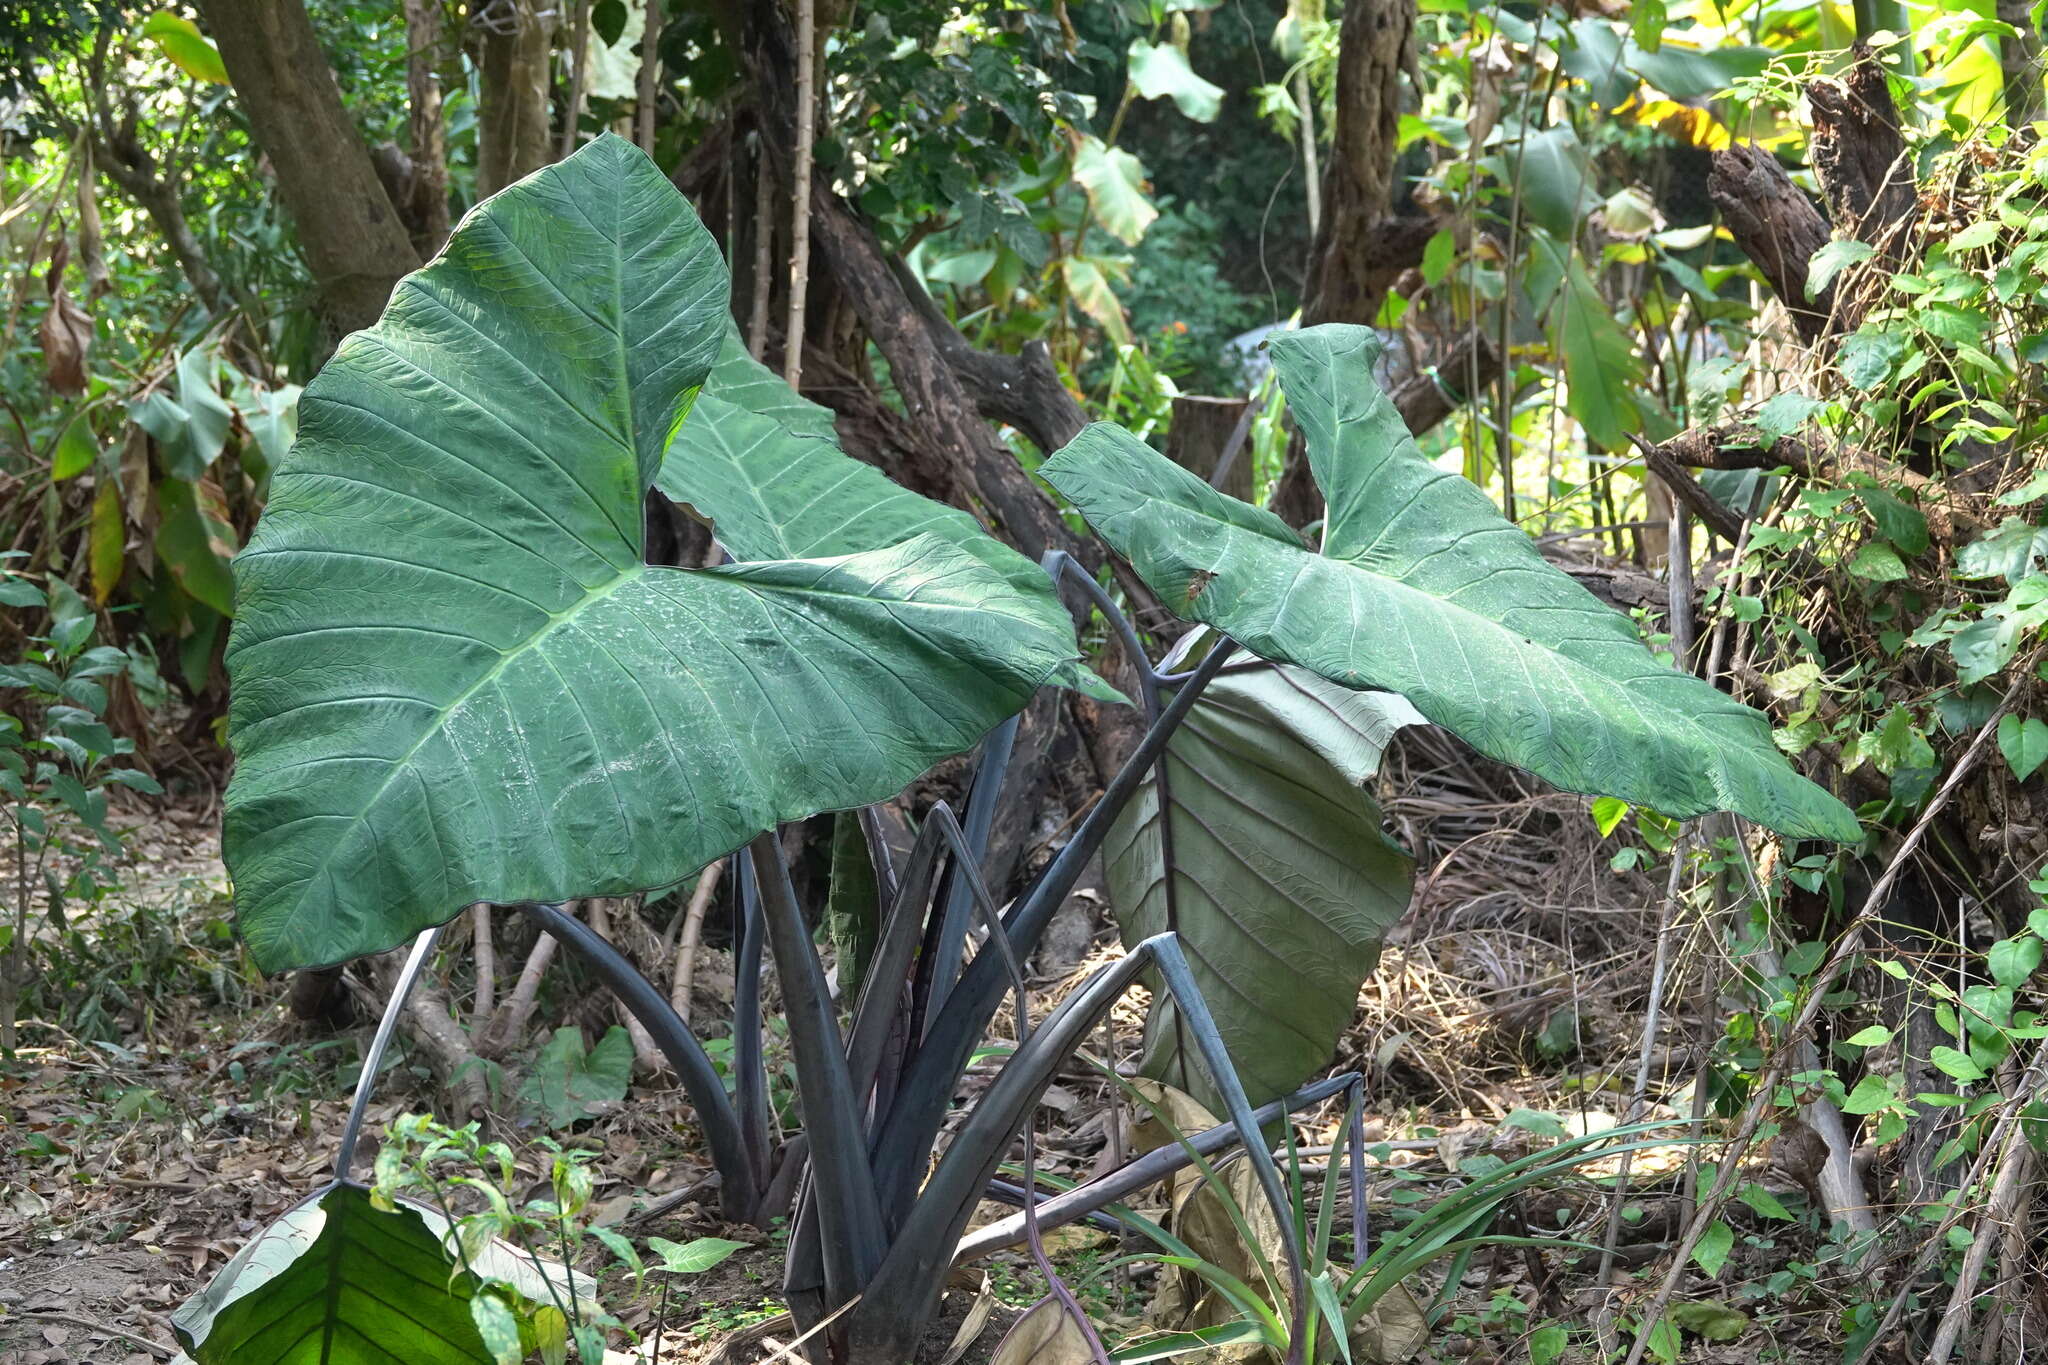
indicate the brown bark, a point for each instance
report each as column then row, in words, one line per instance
column 1735, row 446
column 427, row 200
column 1200, row 432
column 1776, row 226
column 1361, row 246
column 1859, row 155
column 512, row 81
column 2019, row 59
column 1711, row 511
column 350, row 231
column 938, row 403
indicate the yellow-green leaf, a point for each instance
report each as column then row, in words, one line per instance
column 189, row 50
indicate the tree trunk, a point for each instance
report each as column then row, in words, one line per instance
column 427, row 208
column 1859, row 155
column 1776, row 226
column 2019, row 58
column 1361, row 246
column 512, row 104
column 1200, row 431
column 351, row 233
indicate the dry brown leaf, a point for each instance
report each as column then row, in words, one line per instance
column 1045, row 1335
column 66, row 334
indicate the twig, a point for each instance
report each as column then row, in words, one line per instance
column 693, row 931
column 1767, row 1083
column 2036, row 1077
column 155, row 1348
column 647, row 1054
column 1686, row 491
column 764, row 254
column 800, row 196
column 2014, row 1167
column 1660, row 962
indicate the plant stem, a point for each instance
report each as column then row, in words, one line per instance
column 850, row 1217
column 373, row 1060
column 927, row 1083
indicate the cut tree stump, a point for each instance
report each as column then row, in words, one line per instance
column 1202, row 426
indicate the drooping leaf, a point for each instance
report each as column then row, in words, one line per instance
column 1045, row 1335
column 1088, row 283
column 195, row 542
column 1555, row 180
column 106, row 540
column 1115, row 182
column 1421, row 588
column 1161, row 70
column 192, row 428
column 65, row 335
column 1600, row 366
column 340, row 1281
column 1281, row 883
column 455, row 679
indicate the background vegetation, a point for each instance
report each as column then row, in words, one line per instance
column 1737, row 311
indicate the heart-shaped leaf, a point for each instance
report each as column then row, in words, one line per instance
column 1269, row 862
column 455, row 679
column 1421, row 588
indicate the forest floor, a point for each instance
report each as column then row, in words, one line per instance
column 131, row 1171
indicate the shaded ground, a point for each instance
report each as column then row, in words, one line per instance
column 131, row 1170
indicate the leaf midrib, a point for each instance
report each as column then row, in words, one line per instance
column 1517, row 643
column 444, row 713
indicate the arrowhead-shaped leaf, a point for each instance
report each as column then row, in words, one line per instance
column 1281, row 883
column 454, row 677
column 1421, row 588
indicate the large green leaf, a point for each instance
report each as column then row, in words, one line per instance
column 337, row 1281
column 454, row 677
column 1281, row 883
column 1421, row 588
column 764, row 466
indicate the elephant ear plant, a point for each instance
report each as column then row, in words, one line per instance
column 455, row 680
